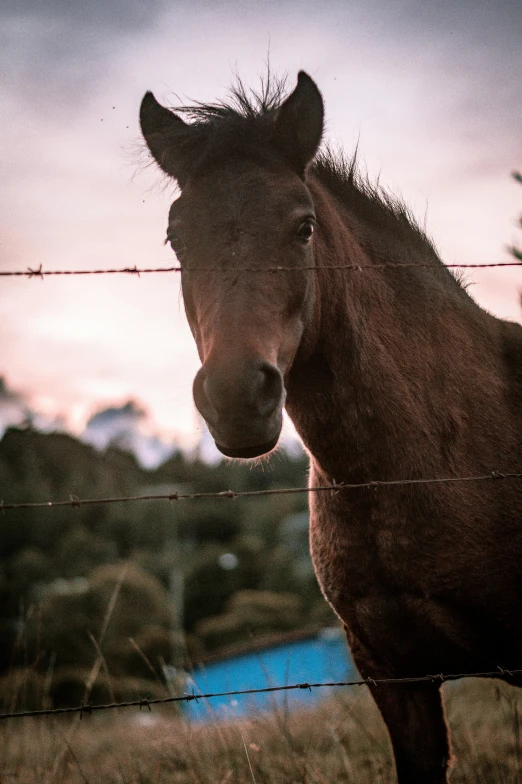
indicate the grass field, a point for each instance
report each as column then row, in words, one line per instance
column 341, row 740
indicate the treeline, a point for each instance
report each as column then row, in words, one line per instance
column 92, row 597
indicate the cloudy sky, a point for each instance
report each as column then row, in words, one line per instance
column 431, row 90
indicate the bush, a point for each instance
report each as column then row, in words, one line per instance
column 250, row 612
column 69, row 688
column 117, row 603
column 143, row 656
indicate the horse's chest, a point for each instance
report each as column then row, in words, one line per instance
column 354, row 556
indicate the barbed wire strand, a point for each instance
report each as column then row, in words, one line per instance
column 39, row 272
column 231, row 494
column 89, row 708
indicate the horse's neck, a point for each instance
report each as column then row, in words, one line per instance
column 349, row 400
column 382, row 373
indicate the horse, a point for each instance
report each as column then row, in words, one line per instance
column 307, row 287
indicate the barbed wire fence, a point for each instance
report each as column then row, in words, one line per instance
column 231, row 494
column 41, row 273
column 494, row 475
column 88, row 709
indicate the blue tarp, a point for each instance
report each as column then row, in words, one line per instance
column 323, row 657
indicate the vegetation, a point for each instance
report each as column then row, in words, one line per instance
column 341, row 740
column 93, row 597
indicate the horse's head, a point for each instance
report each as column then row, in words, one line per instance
column 244, row 206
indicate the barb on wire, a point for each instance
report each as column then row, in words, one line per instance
column 230, row 494
column 37, row 273
column 90, row 708
column 41, row 273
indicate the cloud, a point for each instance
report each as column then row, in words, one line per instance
column 127, row 427
column 53, row 53
column 131, row 413
column 13, row 407
column 117, row 15
column 15, row 411
column 477, row 45
column 8, row 395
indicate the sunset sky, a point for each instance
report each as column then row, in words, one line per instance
column 430, row 89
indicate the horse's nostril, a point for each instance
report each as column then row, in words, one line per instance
column 200, row 394
column 270, row 390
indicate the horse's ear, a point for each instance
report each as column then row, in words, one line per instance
column 299, row 124
column 170, row 140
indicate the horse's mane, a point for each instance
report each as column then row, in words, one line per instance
column 245, row 119
column 243, row 104
column 376, row 208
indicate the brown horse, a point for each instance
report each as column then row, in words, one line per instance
column 388, row 372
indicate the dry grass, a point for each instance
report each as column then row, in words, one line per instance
column 342, row 740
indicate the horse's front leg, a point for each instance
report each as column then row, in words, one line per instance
column 414, row 716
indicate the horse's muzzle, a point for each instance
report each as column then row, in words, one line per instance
column 242, row 406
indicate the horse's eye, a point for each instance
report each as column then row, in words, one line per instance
column 305, row 231
column 175, row 243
